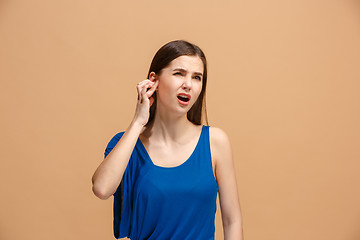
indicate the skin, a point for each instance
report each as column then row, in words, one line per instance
column 171, row 130
column 225, row 176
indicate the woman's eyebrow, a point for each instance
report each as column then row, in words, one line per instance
column 183, row 70
column 179, row 69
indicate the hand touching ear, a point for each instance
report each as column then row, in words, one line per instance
column 150, row 91
column 145, row 89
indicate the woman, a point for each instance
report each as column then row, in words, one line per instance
column 166, row 169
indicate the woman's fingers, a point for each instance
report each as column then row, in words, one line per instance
column 151, row 92
column 152, row 89
column 144, row 90
column 144, row 93
column 140, row 87
column 144, row 103
column 151, row 100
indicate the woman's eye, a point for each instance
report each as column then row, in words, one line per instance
column 177, row 73
column 198, row 77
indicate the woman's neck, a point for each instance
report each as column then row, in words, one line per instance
column 166, row 128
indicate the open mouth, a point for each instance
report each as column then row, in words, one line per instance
column 183, row 98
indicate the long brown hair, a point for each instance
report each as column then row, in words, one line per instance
column 162, row 59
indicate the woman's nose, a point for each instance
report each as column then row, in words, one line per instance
column 187, row 82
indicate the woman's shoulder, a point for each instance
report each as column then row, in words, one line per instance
column 219, row 142
column 219, row 145
column 218, row 136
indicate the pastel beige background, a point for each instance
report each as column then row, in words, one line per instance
column 284, row 81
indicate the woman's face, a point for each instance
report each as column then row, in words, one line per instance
column 180, row 84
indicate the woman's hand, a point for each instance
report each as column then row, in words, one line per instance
column 145, row 100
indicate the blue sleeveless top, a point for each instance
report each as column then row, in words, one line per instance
column 166, row 203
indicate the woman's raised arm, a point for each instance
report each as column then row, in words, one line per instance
column 109, row 173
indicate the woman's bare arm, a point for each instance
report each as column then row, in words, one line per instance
column 108, row 175
column 228, row 193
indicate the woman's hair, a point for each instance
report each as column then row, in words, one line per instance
column 162, row 59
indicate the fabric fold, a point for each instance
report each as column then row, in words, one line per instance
column 122, row 196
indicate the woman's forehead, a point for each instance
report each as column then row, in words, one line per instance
column 188, row 63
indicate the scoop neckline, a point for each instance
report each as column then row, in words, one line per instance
column 178, row 166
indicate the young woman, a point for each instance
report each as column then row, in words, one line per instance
column 166, row 169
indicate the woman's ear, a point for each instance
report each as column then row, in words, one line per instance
column 152, row 77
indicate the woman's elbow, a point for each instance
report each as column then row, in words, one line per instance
column 99, row 192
